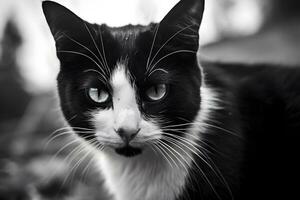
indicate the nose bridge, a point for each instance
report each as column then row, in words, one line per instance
column 124, row 97
column 127, row 118
column 126, row 111
column 127, row 114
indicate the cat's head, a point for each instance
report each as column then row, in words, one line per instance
column 128, row 88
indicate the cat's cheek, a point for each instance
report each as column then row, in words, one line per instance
column 149, row 129
column 103, row 122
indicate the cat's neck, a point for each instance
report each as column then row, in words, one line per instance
column 147, row 176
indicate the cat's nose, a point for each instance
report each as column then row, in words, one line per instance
column 127, row 134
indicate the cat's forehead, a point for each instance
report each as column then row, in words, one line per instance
column 130, row 45
column 132, row 37
column 129, row 30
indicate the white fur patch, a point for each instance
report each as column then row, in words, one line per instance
column 144, row 177
column 127, row 114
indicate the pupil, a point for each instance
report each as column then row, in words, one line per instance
column 156, row 90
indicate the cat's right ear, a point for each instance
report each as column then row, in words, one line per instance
column 69, row 30
column 61, row 20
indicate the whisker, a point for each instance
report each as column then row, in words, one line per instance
column 83, row 46
column 183, row 131
column 202, row 172
column 179, row 125
column 164, row 154
column 84, row 55
column 58, row 130
column 159, row 69
column 86, row 168
column 158, row 148
column 59, row 151
column 103, row 50
column 69, row 120
column 169, row 54
column 199, row 154
column 222, row 129
column 171, row 150
column 153, row 42
column 202, row 141
column 167, row 41
column 186, row 140
column 165, row 146
column 78, row 163
column 192, row 150
column 56, row 133
column 56, row 136
column 88, row 30
column 204, row 124
column 63, row 148
column 71, row 157
column 102, row 77
column 174, row 142
column 215, row 126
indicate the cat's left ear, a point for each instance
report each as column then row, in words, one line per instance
column 181, row 25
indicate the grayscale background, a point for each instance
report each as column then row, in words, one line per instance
column 34, row 166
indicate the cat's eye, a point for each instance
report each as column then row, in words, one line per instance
column 156, row 92
column 98, row 95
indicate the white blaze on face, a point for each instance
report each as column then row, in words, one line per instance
column 126, row 112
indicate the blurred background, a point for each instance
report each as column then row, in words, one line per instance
column 34, row 164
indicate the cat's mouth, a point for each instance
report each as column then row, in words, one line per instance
column 128, row 151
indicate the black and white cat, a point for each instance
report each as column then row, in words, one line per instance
column 164, row 126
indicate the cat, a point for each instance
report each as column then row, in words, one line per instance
column 163, row 124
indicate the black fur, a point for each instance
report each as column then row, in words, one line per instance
column 261, row 106
column 252, row 139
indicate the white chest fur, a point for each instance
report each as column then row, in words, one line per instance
column 146, row 177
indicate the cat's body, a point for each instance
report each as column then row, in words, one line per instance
column 261, row 106
column 166, row 126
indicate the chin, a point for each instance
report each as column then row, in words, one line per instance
column 129, row 151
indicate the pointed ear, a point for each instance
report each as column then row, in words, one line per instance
column 70, row 32
column 181, row 25
column 60, row 19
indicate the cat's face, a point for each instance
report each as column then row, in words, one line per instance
column 128, row 88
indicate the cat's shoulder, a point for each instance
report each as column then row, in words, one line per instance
column 259, row 76
column 261, row 91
